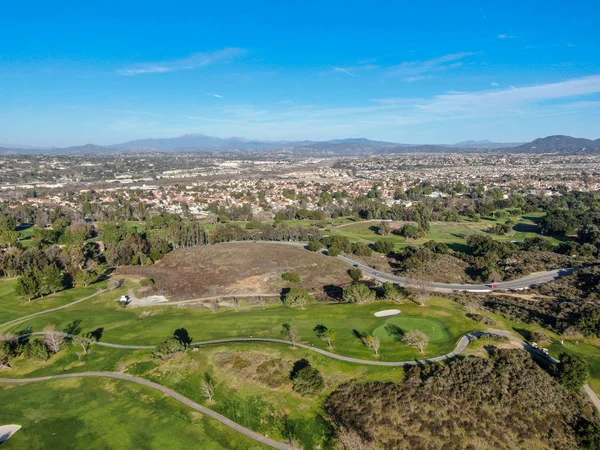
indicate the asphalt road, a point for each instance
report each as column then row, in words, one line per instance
column 460, row 347
column 519, row 284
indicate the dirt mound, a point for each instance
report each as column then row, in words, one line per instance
column 238, row 268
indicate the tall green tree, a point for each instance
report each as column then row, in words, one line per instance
column 54, row 278
column 572, row 371
column 358, row 293
column 28, row 286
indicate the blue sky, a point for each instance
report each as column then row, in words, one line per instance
column 74, row 72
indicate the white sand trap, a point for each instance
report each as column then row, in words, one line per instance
column 147, row 301
column 387, row 312
column 6, row 431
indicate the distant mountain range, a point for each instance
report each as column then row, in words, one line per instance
column 486, row 144
column 202, row 143
column 559, row 143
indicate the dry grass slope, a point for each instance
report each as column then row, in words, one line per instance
column 237, row 268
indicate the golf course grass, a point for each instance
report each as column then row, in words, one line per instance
column 452, row 233
column 77, row 412
column 102, row 413
column 442, row 320
column 13, row 307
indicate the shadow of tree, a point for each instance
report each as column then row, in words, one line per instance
column 73, row 327
column 526, row 228
column 23, row 335
column 284, row 292
column 359, row 335
column 394, row 331
column 523, row 332
column 333, row 292
column 183, row 336
column 298, row 366
column 98, row 333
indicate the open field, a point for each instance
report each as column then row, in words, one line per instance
column 13, row 307
column 100, row 413
column 237, row 268
column 244, row 392
column 452, row 233
column 442, row 320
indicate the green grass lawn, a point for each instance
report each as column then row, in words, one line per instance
column 26, row 231
column 451, row 233
column 272, row 411
column 102, row 413
column 442, row 320
column 13, row 307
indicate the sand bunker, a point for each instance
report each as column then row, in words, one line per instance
column 6, row 431
column 147, row 301
column 387, row 312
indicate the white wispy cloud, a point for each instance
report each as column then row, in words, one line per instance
column 341, row 69
column 418, row 70
column 505, row 99
column 214, row 95
column 418, row 78
column 405, row 114
column 493, row 83
column 505, row 36
column 352, row 71
column 192, row 62
column 482, row 14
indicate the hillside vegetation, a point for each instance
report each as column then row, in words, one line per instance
column 238, row 268
column 505, row 401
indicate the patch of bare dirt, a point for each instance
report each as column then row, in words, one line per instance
column 238, row 268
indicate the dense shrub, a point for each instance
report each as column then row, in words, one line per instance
column 292, row 277
column 315, row 246
column 168, row 349
column 306, row 380
column 36, row 349
column 355, row 273
column 359, row 293
column 572, row 371
column 145, row 282
column 360, row 249
column 506, row 401
column 481, row 318
column 384, row 247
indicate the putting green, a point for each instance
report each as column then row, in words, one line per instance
column 393, row 328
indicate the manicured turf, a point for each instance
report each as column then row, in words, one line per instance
column 100, row 413
column 443, row 320
column 238, row 395
column 451, row 233
column 26, row 232
column 13, row 307
column 394, row 328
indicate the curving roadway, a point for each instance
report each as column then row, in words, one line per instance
column 519, row 284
